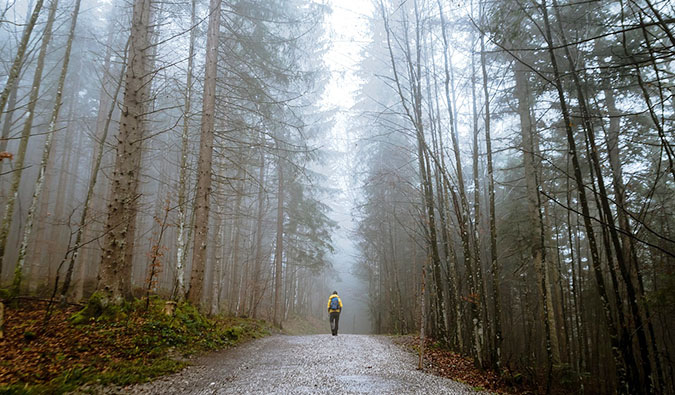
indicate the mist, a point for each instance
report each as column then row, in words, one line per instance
column 493, row 178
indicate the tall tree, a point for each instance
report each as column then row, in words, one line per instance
column 8, row 214
column 204, row 171
column 181, row 241
column 28, row 228
column 115, row 273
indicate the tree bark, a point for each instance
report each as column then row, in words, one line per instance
column 278, row 255
column 494, row 264
column 534, row 208
column 28, row 228
column 19, row 163
column 115, row 274
column 15, row 71
column 257, row 264
column 91, row 185
column 183, row 207
column 203, row 196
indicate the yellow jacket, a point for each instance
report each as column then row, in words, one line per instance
column 339, row 301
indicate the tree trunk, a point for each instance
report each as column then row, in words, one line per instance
column 203, row 196
column 257, row 264
column 19, row 163
column 595, row 257
column 494, row 264
column 115, row 274
column 535, row 214
column 15, row 71
column 632, row 297
column 7, row 124
column 47, row 149
column 629, row 250
column 91, row 187
column 183, row 207
column 278, row 255
column 480, row 287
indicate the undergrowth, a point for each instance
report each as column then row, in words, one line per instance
column 111, row 345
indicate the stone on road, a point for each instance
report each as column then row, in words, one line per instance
column 318, row 364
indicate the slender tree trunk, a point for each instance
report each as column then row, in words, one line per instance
column 218, row 257
column 632, row 297
column 494, row 264
column 423, row 314
column 461, row 207
column 184, row 152
column 203, row 196
column 257, row 264
column 28, row 228
column 595, row 257
column 11, row 104
column 278, row 255
column 19, row 163
column 7, row 124
column 236, row 240
column 15, row 71
column 629, row 250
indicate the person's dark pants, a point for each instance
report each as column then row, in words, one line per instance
column 334, row 319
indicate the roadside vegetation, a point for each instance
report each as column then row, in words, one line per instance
column 452, row 365
column 94, row 345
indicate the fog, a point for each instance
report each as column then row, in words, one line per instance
column 496, row 176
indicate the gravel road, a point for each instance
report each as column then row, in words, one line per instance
column 318, row 364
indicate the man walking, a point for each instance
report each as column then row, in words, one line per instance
column 334, row 309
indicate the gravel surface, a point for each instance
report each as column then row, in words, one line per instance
column 318, row 364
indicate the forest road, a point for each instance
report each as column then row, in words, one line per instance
column 317, row 364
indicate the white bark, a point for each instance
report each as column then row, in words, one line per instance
column 23, row 145
column 182, row 183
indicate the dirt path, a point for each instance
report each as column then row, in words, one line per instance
column 323, row 364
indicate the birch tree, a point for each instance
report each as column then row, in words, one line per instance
column 8, row 214
column 28, row 227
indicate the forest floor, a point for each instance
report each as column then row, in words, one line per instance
column 126, row 346
column 449, row 364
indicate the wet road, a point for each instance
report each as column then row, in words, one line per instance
column 318, row 364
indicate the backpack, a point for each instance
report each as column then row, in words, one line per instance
column 334, row 303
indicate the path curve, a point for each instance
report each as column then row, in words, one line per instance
column 318, row 364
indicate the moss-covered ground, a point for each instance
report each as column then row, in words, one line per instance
column 118, row 345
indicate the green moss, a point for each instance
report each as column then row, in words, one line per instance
column 93, row 309
column 68, row 381
column 234, row 332
column 98, row 308
column 153, row 337
column 138, row 371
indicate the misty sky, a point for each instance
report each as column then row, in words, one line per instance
column 347, row 33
